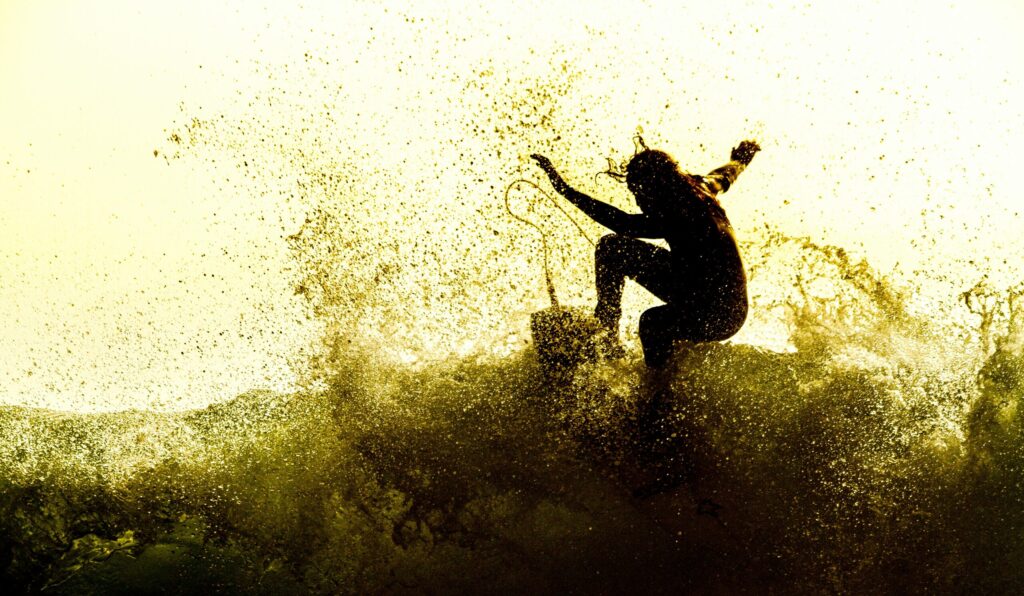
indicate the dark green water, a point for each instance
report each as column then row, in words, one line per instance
column 882, row 454
column 741, row 470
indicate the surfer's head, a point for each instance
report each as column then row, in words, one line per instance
column 651, row 176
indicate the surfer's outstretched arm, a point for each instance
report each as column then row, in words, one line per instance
column 635, row 225
column 720, row 179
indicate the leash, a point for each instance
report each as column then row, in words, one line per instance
column 543, row 235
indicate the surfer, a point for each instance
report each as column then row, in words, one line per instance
column 700, row 276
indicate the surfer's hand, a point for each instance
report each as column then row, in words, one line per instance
column 556, row 180
column 745, row 152
column 543, row 162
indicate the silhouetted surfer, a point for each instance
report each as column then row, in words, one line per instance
column 700, row 277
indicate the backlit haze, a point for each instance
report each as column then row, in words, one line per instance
column 155, row 157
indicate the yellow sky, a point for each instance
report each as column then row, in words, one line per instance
column 130, row 281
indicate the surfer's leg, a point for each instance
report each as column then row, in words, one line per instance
column 662, row 326
column 659, row 328
column 618, row 257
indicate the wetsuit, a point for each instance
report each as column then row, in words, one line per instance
column 700, row 277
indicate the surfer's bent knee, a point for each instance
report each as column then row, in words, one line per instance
column 679, row 324
column 608, row 242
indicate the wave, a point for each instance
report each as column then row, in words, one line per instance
column 846, row 464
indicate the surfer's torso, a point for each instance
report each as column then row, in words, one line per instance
column 705, row 256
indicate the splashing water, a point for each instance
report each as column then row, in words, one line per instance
column 848, row 463
column 848, row 440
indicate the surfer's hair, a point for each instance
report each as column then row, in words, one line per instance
column 656, row 174
column 652, row 166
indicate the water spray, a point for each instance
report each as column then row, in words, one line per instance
column 561, row 335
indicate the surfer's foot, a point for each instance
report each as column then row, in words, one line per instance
column 607, row 346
